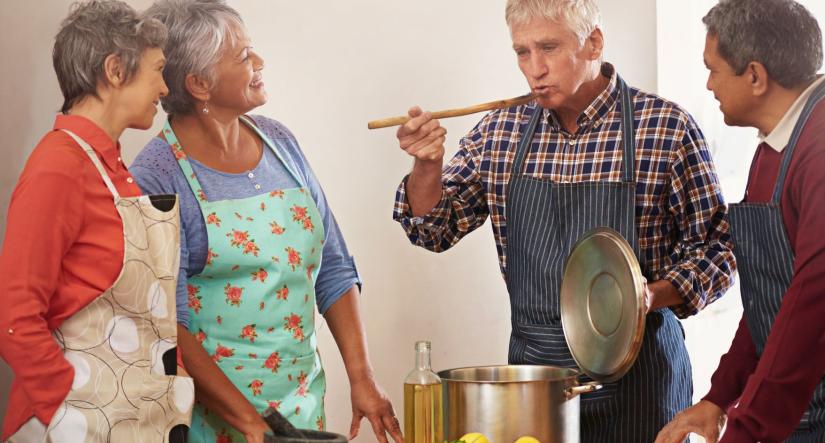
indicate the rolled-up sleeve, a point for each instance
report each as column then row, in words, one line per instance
column 462, row 207
column 702, row 262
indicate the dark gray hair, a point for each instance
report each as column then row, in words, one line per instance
column 93, row 31
column 780, row 34
column 198, row 32
column 581, row 16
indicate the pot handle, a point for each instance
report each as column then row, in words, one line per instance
column 573, row 391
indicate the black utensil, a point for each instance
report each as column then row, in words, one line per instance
column 284, row 432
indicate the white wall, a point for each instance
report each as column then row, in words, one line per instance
column 331, row 67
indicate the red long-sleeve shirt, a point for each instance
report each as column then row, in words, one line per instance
column 774, row 390
column 63, row 247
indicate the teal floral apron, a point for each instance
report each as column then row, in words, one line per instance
column 253, row 306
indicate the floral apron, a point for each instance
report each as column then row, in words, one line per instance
column 253, row 305
column 123, row 344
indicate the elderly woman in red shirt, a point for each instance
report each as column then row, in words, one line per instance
column 89, row 265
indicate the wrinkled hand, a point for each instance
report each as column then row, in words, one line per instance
column 422, row 137
column 370, row 401
column 704, row 419
column 253, row 429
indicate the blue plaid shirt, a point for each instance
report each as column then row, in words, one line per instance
column 680, row 214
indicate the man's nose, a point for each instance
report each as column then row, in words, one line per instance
column 537, row 67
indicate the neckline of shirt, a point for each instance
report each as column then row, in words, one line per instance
column 780, row 136
column 94, row 135
column 245, row 174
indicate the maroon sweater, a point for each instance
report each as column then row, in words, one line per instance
column 775, row 390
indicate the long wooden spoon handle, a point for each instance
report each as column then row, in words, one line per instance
column 498, row 104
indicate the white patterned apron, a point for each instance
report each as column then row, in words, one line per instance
column 123, row 344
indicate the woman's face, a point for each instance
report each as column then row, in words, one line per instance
column 240, row 85
column 141, row 94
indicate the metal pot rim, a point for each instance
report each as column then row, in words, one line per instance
column 572, row 374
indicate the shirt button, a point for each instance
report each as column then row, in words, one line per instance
column 119, row 159
column 251, row 175
column 257, row 186
column 11, row 331
column 130, row 180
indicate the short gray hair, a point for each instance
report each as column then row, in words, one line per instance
column 780, row 34
column 93, row 31
column 198, row 32
column 581, row 16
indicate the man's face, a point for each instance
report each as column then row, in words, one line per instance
column 733, row 92
column 551, row 59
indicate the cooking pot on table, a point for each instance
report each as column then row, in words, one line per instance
column 602, row 312
column 508, row 402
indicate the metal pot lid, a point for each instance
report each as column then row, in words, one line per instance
column 603, row 304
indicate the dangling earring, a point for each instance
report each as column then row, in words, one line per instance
column 205, row 108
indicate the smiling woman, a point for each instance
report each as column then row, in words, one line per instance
column 119, row 53
column 88, row 322
column 256, row 231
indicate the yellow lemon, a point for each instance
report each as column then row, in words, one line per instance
column 474, row 437
column 527, row 439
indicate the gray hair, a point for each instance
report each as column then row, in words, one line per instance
column 93, row 31
column 780, row 34
column 581, row 16
column 198, row 32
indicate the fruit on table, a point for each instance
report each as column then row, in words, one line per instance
column 474, row 437
column 527, row 439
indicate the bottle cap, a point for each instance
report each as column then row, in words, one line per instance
column 422, row 346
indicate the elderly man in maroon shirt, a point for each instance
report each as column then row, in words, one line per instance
column 763, row 56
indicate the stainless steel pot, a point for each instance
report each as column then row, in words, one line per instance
column 508, row 402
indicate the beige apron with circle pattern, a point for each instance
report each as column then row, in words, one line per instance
column 123, row 344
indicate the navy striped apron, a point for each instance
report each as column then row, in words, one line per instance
column 765, row 260
column 544, row 220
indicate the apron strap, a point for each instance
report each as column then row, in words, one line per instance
column 818, row 94
column 628, row 135
column 96, row 161
column 186, row 166
column 628, row 132
column 183, row 161
column 274, row 149
column 526, row 139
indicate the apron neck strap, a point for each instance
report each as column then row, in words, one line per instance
column 96, row 161
column 183, row 160
column 526, row 139
column 818, row 94
column 267, row 141
column 628, row 134
column 628, row 131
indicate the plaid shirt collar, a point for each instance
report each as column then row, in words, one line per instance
column 595, row 113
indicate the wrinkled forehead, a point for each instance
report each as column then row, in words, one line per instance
column 532, row 30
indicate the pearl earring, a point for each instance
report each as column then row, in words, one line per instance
column 205, row 108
